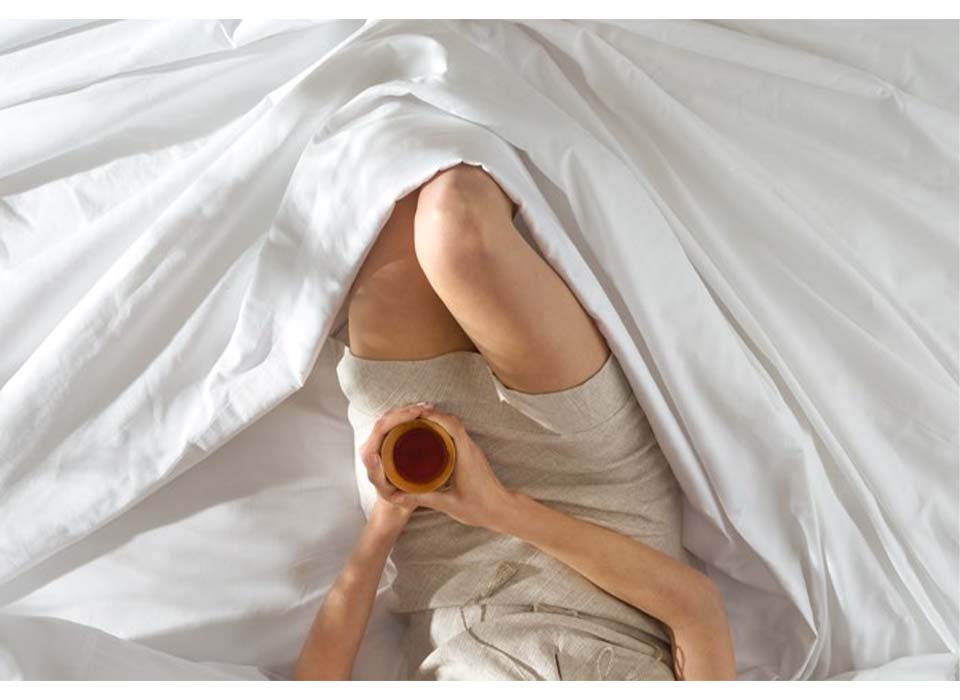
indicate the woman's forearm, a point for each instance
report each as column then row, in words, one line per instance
column 669, row 590
column 334, row 638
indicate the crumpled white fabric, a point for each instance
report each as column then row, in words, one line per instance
column 95, row 655
column 761, row 216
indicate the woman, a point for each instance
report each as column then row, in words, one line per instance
column 556, row 552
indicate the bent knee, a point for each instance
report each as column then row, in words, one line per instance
column 460, row 212
column 463, row 194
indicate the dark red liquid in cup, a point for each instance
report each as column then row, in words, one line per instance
column 419, row 455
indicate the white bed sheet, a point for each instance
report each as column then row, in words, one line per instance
column 761, row 217
column 225, row 565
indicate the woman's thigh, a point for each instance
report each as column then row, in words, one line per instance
column 392, row 311
column 519, row 313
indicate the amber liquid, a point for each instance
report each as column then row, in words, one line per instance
column 419, row 455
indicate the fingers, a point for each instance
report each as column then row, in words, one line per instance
column 431, row 499
column 449, row 422
column 388, row 421
column 379, row 479
column 376, row 475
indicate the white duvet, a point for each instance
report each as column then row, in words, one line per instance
column 761, row 216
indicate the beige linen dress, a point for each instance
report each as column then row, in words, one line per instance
column 485, row 606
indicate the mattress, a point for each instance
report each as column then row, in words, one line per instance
column 761, row 216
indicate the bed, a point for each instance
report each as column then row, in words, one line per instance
column 760, row 215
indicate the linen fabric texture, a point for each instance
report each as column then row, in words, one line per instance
column 490, row 606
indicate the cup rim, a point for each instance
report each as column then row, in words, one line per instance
column 390, row 470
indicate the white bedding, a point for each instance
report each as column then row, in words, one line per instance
column 761, row 216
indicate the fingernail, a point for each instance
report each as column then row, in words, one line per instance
column 425, row 404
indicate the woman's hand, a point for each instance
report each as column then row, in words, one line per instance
column 476, row 497
column 370, row 450
column 390, row 518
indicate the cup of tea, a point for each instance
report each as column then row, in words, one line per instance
column 418, row 456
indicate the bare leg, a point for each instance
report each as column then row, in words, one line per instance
column 393, row 313
column 516, row 309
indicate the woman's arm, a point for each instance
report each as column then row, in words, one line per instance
column 333, row 640
column 331, row 645
column 678, row 595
